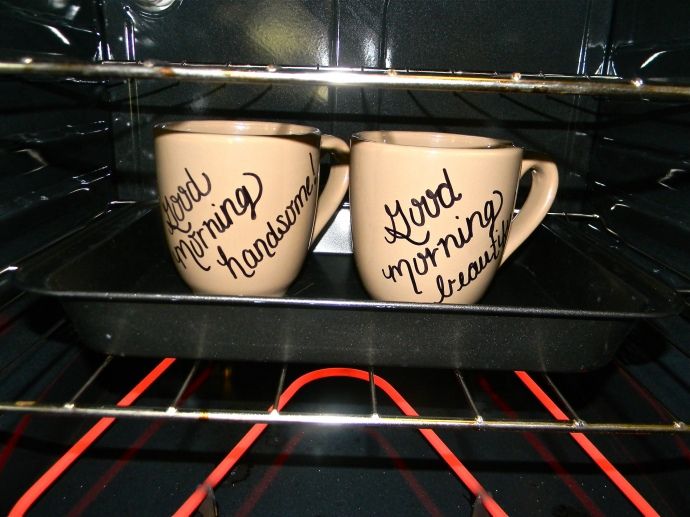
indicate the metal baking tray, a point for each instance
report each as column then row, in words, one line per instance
column 559, row 304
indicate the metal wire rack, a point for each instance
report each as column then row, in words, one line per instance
column 177, row 411
column 449, row 81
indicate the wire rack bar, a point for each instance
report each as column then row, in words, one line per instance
column 185, row 384
column 468, row 396
column 562, row 398
column 279, row 390
column 453, row 81
column 372, row 394
column 218, row 415
column 89, row 382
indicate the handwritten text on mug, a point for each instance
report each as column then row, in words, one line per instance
column 194, row 243
column 408, row 222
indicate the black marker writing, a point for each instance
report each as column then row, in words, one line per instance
column 176, row 206
column 464, row 234
column 446, row 287
column 428, row 205
column 224, row 215
column 195, row 242
column 248, row 260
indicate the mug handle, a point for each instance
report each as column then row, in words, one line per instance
column 338, row 181
column 539, row 200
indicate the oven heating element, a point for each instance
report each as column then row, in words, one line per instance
column 275, row 414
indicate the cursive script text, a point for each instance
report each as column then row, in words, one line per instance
column 409, row 222
column 247, row 260
column 193, row 243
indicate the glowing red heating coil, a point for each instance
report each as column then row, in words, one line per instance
column 36, row 490
column 592, row 451
column 221, row 470
column 62, row 464
column 56, row 470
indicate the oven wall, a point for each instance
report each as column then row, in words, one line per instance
column 566, row 37
column 55, row 151
column 640, row 172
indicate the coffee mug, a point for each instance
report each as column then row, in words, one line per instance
column 432, row 213
column 239, row 201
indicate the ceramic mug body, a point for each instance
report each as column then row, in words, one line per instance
column 432, row 212
column 238, row 201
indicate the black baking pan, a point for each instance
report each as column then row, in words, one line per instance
column 559, row 304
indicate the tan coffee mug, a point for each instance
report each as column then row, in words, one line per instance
column 431, row 212
column 239, row 201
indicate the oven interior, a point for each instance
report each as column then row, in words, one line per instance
column 602, row 436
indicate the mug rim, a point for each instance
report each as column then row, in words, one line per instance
column 230, row 127
column 436, row 140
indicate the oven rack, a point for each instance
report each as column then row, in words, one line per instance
column 571, row 423
column 393, row 78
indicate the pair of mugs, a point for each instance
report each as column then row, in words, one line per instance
column 432, row 213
